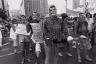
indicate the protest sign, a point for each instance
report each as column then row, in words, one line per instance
column 37, row 33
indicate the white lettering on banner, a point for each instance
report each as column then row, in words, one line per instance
column 37, row 33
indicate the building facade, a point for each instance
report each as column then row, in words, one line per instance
column 1, row 4
column 93, row 2
column 22, row 8
column 27, row 7
column 76, row 4
column 73, row 4
column 14, row 14
column 4, row 6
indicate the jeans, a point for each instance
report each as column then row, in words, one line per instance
column 51, row 53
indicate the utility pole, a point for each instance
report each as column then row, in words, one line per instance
column 28, row 8
column 86, row 6
column 66, row 6
column 3, row 5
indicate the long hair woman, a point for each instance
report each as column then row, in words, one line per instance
column 82, row 34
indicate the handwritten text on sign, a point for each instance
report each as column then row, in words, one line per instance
column 37, row 32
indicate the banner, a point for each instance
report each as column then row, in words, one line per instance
column 21, row 29
column 37, row 33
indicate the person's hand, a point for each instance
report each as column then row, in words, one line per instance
column 14, row 29
column 48, row 42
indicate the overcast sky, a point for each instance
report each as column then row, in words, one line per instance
column 15, row 4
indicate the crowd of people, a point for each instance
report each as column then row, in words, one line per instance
column 52, row 31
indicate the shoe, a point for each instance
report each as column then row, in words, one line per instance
column 28, row 60
column 15, row 51
column 30, row 49
column 74, row 42
column 69, row 54
column 60, row 54
column 79, row 59
column 88, row 59
column 23, row 61
column 74, row 46
column 36, row 63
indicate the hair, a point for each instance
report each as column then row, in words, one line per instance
column 75, row 18
column 64, row 15
column 34, row 12
column 94, row 14
column 14, row 20
column 81, row 13
column 22, row 16
column 2, row 14
column 30, row 18
column 89, row 14
column 52, row 6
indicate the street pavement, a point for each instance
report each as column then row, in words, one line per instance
column 6, row 40
column 7, row 56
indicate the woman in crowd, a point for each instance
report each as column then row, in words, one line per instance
column 90, row 24
column 93, row 39
column 37, row 36
column 90, row 21
column 13, row 35
column 24, row 37
column 82, row 33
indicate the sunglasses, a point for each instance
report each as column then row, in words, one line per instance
column 51, row 9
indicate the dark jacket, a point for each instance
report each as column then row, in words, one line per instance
column 54, row 28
